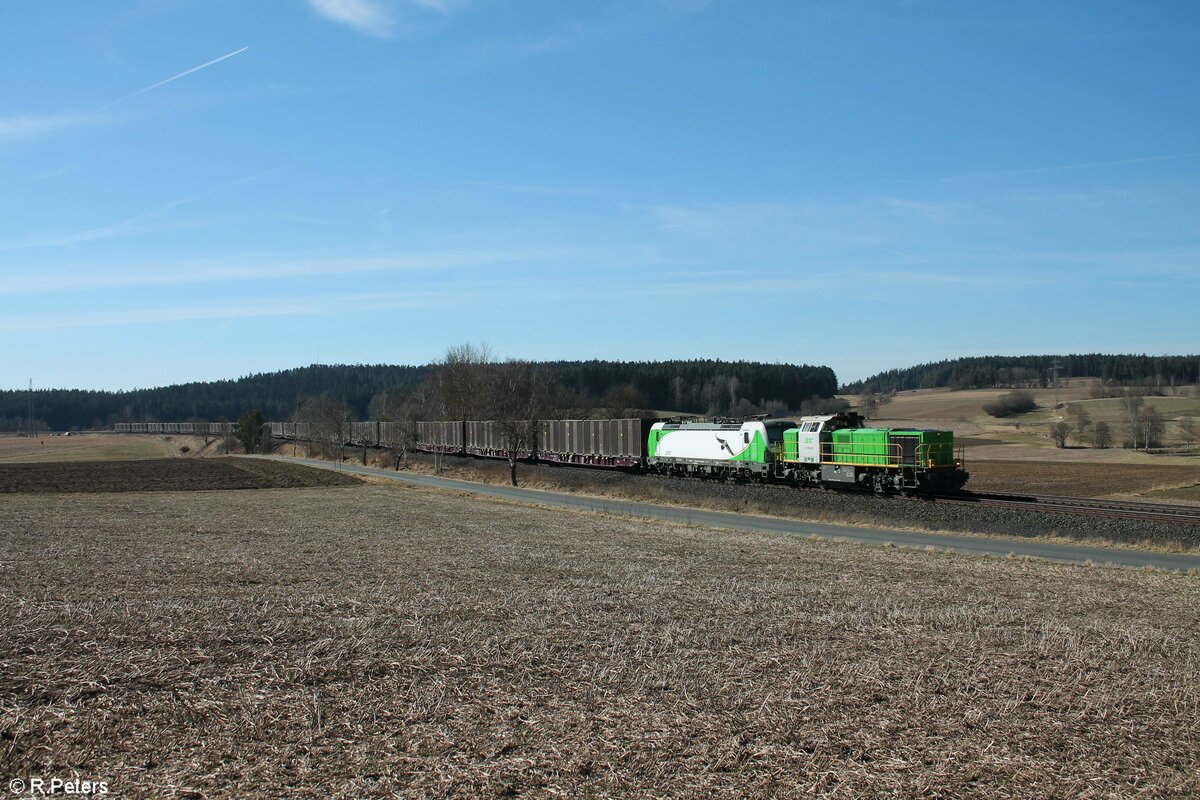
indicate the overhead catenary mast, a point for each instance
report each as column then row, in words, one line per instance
column 1056, row 365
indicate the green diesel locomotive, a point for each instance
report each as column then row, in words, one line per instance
column 829, row 450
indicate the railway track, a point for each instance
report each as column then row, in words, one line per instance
column 1077, row 506
column 1081, row 506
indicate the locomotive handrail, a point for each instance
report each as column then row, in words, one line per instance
column 927, row 455
column 861, row 454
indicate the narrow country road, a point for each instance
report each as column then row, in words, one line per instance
column 962, row 543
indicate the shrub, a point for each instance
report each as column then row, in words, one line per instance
column 1017, row 401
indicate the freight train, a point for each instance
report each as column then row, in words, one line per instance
column 832, row 450
column 217, row 428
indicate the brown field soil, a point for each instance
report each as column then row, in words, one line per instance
column 96, row 447
column 370, row 640
column 1078, row 480
column 161, row 475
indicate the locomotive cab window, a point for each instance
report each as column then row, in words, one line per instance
column 746, row 438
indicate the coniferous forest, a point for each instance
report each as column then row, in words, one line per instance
column 699, row 386
column 695, row 386
column 986, row 372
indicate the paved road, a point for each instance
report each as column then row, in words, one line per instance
column 976, row 545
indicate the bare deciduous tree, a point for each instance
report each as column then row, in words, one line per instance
column 329, row 424
column 460, row 382
column 1059, row 432
column 868, row 403
column 622, row 401
column 399, row 412
column 1101, row 435
column 1132, row 401
column 1151, row 426
column 517, row 402
column 1187, row 429
column 406, row 418
column 1082, row 421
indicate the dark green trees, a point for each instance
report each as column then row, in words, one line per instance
column 250, row 431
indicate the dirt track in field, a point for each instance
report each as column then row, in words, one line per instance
column 370, row 640
column 162, row 475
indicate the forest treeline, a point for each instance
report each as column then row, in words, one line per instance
column 698, row 386
column 988, row 372
column 276, row 394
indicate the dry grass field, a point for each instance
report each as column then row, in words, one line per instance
column 1025, row 436
column 1189, row 494
column 95, row 447
column 372, row 640
column 1080, row 479
column 1016, row 454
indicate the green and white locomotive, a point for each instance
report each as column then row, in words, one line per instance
column 837, row 450
column 829, row 450
column 717, row 449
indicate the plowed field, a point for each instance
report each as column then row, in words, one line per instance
column 371, row 641
column 162, row 475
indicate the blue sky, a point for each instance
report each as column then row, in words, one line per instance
column 205, row 189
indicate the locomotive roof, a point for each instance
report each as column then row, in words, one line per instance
column 723, row 425
column 701, row 426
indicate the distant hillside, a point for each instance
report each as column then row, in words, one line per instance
column 984, row 372
column 699, row 386
column 276, row 394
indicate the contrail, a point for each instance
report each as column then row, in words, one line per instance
column 177, row 77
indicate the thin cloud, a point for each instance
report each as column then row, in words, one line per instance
column 534, row 189
column 856, row 220
column 499, row 291
column 1119, row 162
column 177, row 77
column 440, row 6
column 288, row 306
column 134, row 224
column 28, row 126
column 365, row 16
column 297, row 305
column 435, row 261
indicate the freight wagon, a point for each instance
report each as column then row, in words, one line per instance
column 593, row 442
column 487, row 439
column 440, row 437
